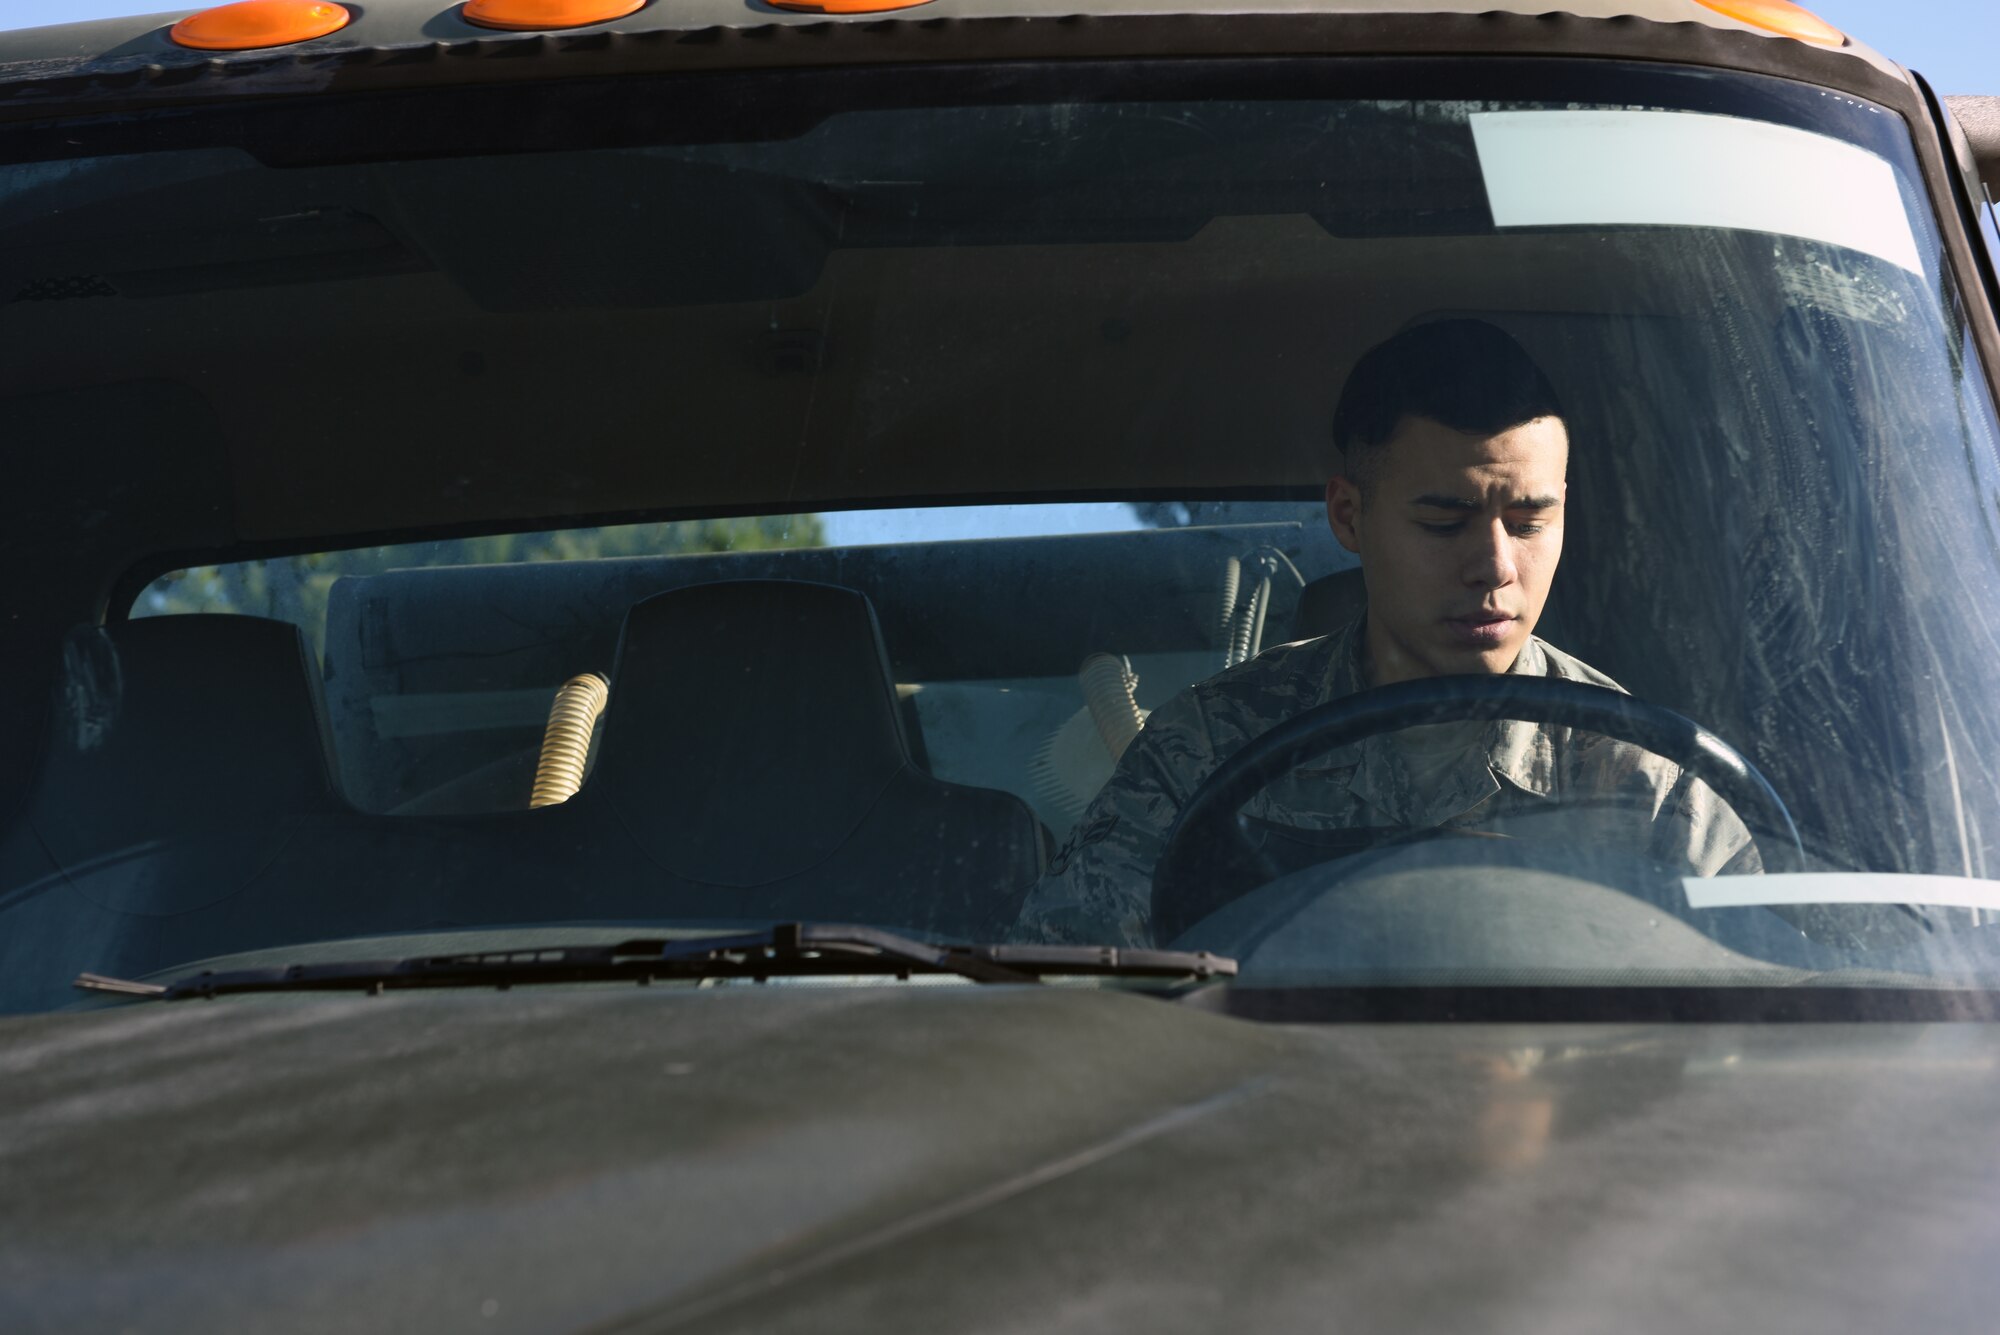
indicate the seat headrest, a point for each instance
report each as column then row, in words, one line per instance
column 1329, row 603
column 752, row 725
column 173, row 725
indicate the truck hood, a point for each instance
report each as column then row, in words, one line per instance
column 980, row 1159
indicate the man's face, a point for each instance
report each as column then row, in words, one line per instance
column 1458, row 540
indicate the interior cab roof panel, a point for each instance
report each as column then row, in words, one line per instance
column 113, row 64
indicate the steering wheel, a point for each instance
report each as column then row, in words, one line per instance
column 1210, row 836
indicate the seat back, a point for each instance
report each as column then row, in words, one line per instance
column 1329, row 603
column 171, row 726
column 754, row 751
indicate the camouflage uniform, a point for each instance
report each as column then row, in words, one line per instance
column 1577, row 785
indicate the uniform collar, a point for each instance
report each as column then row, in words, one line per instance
column 1519, row 754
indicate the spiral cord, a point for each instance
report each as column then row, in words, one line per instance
column 566, row 741
column 1108, row 685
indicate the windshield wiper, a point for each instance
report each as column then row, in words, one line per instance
column 788, row 950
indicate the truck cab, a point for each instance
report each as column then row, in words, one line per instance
column 730, row 665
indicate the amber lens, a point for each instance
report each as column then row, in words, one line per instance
column 845, row 6
column 1781, row 16
column 249, row 24
column 534, row 15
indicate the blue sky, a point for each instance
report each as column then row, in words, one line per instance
column 1954, row 43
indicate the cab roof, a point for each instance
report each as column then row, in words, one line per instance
column 113, row 63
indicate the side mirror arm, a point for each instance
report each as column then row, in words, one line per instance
column 1979, row 118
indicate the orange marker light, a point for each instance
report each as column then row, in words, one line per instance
column 845, row 6
column 534, row 15
column 1780, row 16
column 249, row 24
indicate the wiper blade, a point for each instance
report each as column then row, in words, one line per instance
column 788, row 950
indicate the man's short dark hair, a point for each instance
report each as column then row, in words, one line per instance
column 1464, row 374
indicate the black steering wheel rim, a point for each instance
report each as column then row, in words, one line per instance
column 1181, row 897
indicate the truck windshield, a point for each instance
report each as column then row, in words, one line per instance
column 915, row 488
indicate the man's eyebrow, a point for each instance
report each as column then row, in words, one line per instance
column 1435, row 501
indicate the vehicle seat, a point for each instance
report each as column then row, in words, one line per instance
column 1329, row 603
column 183, row 756
column 754, row 751
column 169, row 727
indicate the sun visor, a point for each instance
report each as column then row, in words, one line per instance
column 564, row 231
column 117, row 471
column 1683, row 169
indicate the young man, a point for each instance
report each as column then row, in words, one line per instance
column 1451, row 493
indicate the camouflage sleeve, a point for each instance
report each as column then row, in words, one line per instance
column 1688, row 827
column 1099, row 886
column 1699, row 829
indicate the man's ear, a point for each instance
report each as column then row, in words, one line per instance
column 1343, row 511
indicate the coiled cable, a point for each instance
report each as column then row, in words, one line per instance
column 1225, row 625
column 566, row 741
column 1108, row 686
column 1244, row 614
column 1247, row 636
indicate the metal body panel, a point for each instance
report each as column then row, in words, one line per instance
column 1977, row 129
column 831, row 1159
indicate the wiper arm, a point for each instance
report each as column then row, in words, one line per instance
column 788, row 950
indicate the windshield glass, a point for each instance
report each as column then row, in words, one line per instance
column 712, row 502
